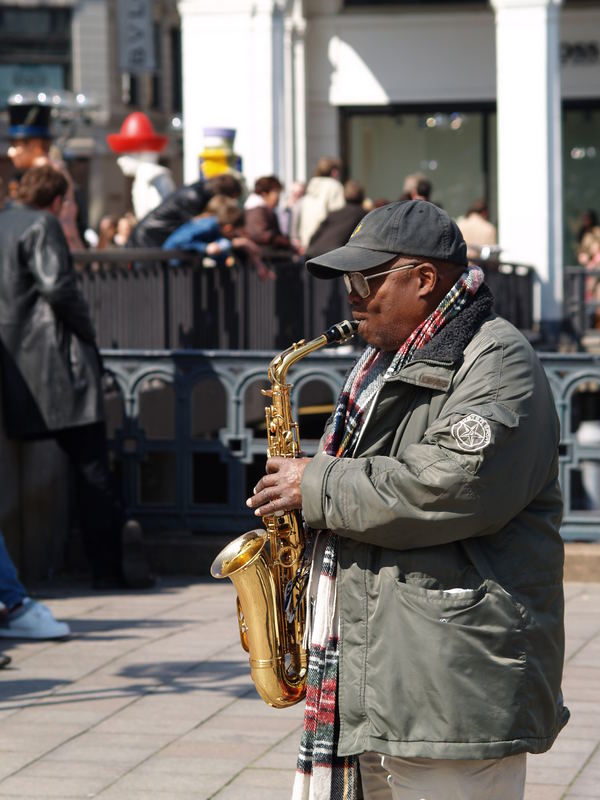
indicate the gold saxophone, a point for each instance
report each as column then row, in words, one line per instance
column 267, row 567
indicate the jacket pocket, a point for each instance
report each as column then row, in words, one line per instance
column 456, row 669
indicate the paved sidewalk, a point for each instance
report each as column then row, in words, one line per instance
column 151, row 698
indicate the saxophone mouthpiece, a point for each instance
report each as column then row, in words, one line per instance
column 341, row 331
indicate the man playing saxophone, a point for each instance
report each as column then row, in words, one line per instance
column 435, row 596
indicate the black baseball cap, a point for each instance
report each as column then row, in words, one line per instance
column 409, row 227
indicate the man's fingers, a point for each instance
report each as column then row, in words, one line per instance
column 264, row 483
column 272, row 507
column 279, row 489
column 262, row 494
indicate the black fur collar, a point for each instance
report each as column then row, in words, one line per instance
column 449, row 344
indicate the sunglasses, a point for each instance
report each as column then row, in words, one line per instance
column 360, row 283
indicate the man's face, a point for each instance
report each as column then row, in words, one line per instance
column 24, row 152
column 393, row 308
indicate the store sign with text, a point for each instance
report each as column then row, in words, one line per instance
column 580, row 53
column 136, row 42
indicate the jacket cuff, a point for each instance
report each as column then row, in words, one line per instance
column 312, row 487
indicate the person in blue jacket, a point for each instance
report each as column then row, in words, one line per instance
column 217, row 233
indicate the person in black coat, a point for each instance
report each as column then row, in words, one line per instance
column 336, row 228
column 179, row 207
column 51, row 368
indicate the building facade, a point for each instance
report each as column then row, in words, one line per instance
column 492, row 98
column 403, row 86
column 70, row 48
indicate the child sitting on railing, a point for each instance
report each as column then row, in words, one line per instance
column 216, row 233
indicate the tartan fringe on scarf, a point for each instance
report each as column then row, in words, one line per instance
column 322, row 774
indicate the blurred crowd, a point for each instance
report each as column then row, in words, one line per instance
column 221, row 221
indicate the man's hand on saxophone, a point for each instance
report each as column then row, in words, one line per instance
column 279, row 489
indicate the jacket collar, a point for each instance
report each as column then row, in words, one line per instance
column 449, row 344
column 446, row 348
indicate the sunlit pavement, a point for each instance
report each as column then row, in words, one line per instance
column 151, row 697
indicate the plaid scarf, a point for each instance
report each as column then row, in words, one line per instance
column 321, row 774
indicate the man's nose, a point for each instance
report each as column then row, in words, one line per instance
column 353, row 297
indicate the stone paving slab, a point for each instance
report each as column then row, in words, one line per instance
column 151, row 699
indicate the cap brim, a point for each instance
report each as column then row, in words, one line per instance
column 349, row 258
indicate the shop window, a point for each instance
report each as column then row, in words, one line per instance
column 448, row 146
column 581, row 172
column 130, row 89
column 156, row 100
column 176, row 75
column 35, row 49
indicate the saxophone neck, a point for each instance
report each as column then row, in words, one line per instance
column 279, row 366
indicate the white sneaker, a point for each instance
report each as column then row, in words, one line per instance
column 32, row 621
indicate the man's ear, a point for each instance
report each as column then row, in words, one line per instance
column 428, row 278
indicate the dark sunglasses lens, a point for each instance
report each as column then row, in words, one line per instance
column 361, row 284
column 356, row 281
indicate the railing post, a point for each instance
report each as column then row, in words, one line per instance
column 166, row 304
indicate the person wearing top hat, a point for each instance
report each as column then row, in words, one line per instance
column 436, row 596
column 30, row 142
column 29, row 132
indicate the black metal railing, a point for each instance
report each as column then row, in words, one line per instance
column 139, row 299
column 187, row 432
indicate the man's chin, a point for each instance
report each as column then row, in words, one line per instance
column 367, row 334
column 377, row 339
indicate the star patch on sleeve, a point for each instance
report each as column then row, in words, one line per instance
column 472, row 433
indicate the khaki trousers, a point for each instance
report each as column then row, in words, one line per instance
column 395, row 778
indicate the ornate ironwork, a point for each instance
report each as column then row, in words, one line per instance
column 187, row 431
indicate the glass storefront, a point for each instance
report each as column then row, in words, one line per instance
column 35, row 48
column 581, row 170
column 455, row 148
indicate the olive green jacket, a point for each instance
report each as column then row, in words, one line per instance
column 450, row 558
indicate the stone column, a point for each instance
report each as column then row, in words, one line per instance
column 294, row 95
column 236, row 74
column 529, row 146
